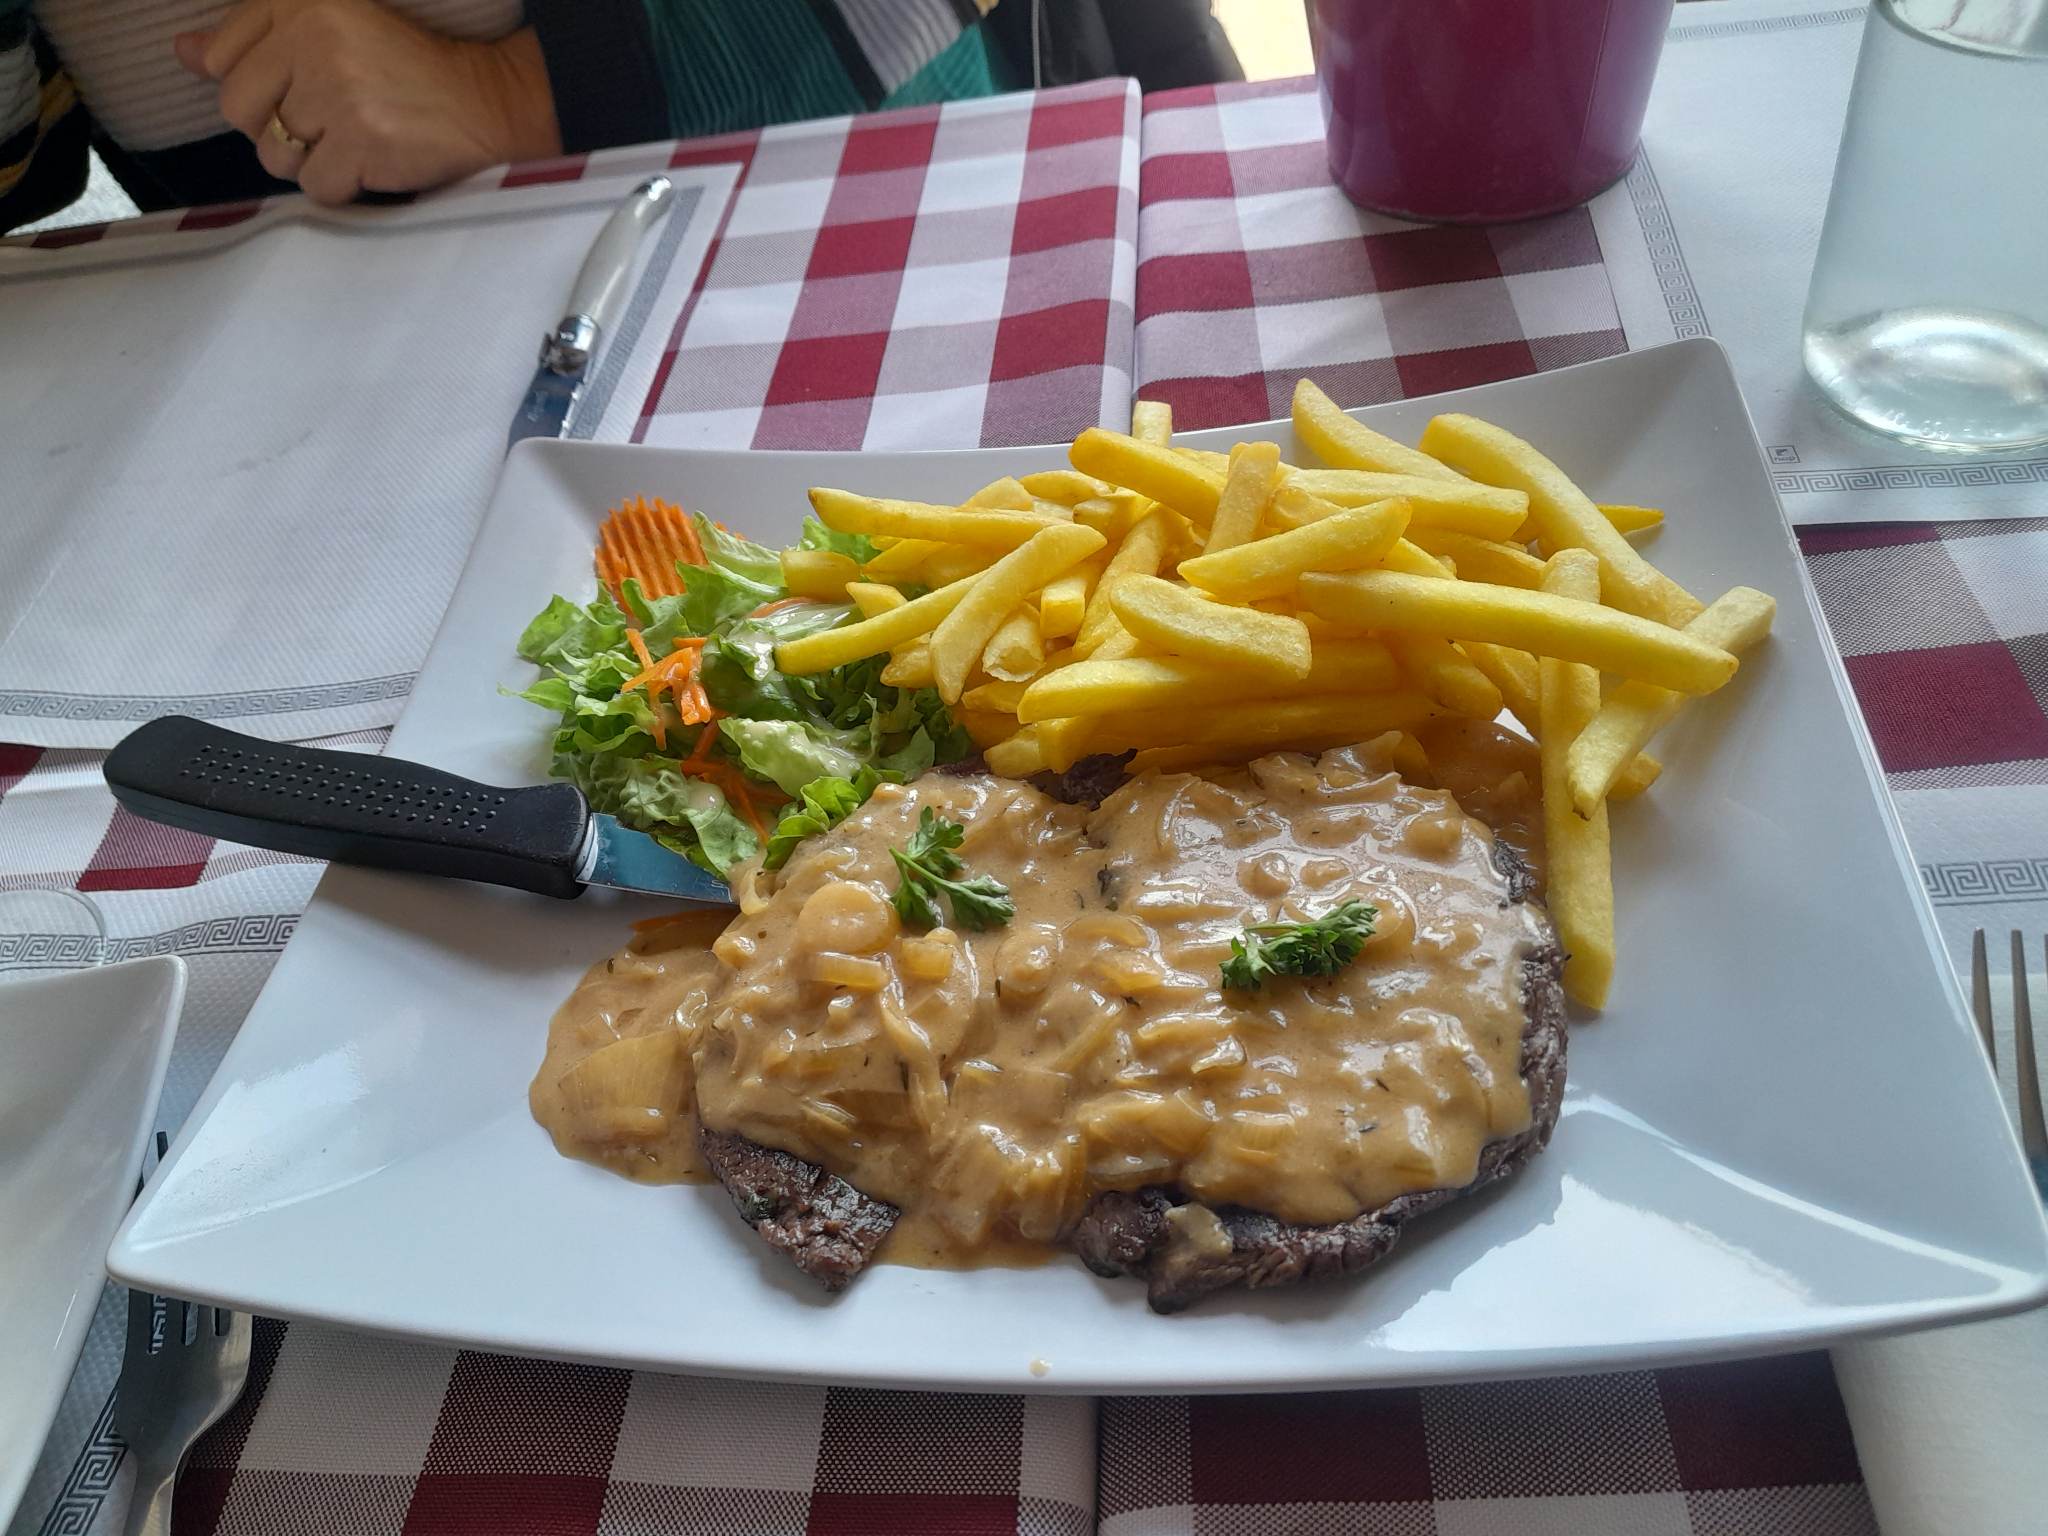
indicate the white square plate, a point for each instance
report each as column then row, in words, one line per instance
column 1781, row 1131
column 82, row 1060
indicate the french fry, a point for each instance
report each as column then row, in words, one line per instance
column 1532, row 621
column 1220, row 462
column 1413, row 560
column 1140, row 554
column 1065, row 742
column 1113, row 515
column 1317, row 721
column 820, row 573
column 1064, row 602
column 1018, row 756
column 1504, row 565
column 1149, row 469
column 983, row 528
column 902, row 557
column 872, row 597
column 1579, row 878
column 1000, row 698
column 1343, row 443
column 1561, row 515
column 954, row 562
column 1247, row 487
column 1517, row 676
column 1112, row 686
column 1182, row 624
column 985, row 727
column 1347, row 541
column 1442, row 671
column 1627, row 519
column 1062, row 485
column 1737, row 621
column 1005, row 495
column 1488, row 511
column 1120, row 646
column 911, row 666
column 964, row 632
column 830, row 648
column 1016, row 650
column 1152, row 421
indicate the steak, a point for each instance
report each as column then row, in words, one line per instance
column 818, row 1221
column 1183, row 1251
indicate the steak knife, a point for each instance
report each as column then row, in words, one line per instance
column 389, row 814
column 566, row 351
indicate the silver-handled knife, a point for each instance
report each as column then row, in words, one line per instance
column 389, row 814
column 566, row 351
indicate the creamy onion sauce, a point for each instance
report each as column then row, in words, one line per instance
column 990, row 1084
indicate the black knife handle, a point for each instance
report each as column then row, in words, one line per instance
column 350, row 808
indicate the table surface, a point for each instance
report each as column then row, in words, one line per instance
column 940, row 278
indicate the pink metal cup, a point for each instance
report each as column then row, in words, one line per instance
column 1479, row 111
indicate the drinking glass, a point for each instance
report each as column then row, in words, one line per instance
column 1479, row 111
column 1927, row 318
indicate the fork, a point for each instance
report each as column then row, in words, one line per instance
column 184, row 1367
column 2033, row 1134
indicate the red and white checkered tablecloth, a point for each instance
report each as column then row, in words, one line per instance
column 974, row 275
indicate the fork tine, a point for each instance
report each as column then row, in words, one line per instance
column 2033, row 1136
column 202, row 1323
column 140, row 1305
column 1980, row 994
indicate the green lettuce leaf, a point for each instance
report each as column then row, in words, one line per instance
column 791, row 753
column 822, row 805
column 857, row 546
column 728, row 552
column 650, row 794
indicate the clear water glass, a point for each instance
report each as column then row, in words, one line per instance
column 1928, row 315
column 50, row 930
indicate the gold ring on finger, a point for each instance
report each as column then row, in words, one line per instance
column 285, row 136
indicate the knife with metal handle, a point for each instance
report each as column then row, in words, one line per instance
column 594, row 299
column 388, row 814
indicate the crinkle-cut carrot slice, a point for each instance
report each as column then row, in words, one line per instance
column 646, row 541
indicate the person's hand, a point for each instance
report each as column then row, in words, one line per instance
column 343, row 97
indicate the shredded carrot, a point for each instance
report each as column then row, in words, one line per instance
column 779, row 604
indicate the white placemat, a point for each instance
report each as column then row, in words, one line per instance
column 207, row 434
column 1714, row 231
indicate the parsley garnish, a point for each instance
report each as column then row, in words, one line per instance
column 928, row 869
column 1319, row 948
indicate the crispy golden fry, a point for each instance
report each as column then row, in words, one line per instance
column 902, row 557
column 830, row 648
column 1018, row 756
column 1065, row 742
column 1627, row 519
column 1185, row 759
column 1310, row 723
column 1120, row 646
column 985, row 727
column 1561, row 515
column 819, row 573
column 1005, row 495
column 871, row 597
column 1346, row 541
column 1152, row 421
column 1410, row 760
column 1113, row 515
column 911, row 666
column 1737, row 621
column 1140, row 554
column 1413, row 560
column 1001, row 698
column 1064, row 602
column 1343, row 443
column 918, row 520
column 1442, row 671
column 1016, row 650
column 1504, row 565
column 1101, row 686
column 1150, row 470
column 1183, row 624
column 1062, row 485
column 964, row 632
column 1517, row 676
column 1208, row 457
column 1254, row 471
column 955, row 562
column 1579, row 879
column 1532, row 621
column 1485, row 510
